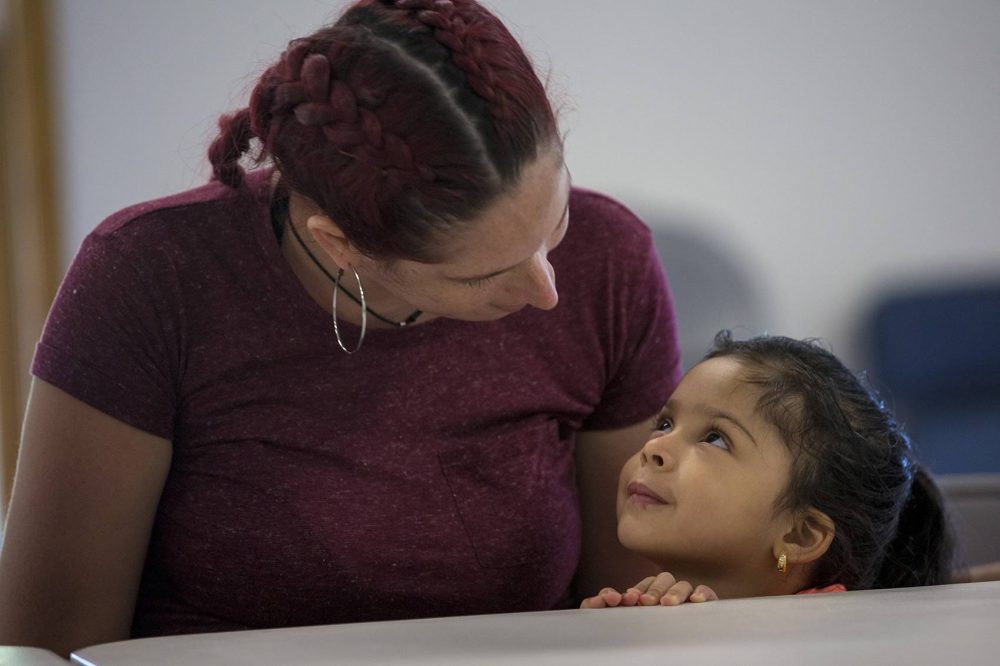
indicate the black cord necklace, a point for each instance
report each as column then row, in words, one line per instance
column 399, row 324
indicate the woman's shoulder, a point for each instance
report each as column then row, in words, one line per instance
column 605, row 232
column 209, row 205
column 605, row 210
column 601, row 218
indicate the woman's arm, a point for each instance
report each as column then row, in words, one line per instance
column 84, row 500
column 599, row 458
column 978, row 573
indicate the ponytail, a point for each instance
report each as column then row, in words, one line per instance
column 225, row 152
column 921, row 551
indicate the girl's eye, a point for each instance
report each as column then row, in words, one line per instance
column 716, row 439
column 663, row 424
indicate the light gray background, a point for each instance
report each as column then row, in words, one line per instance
column 797, row 157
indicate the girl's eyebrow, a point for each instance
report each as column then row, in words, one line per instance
column 718, row 414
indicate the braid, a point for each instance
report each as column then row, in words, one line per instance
column 401, row 120
column 452, row 31
column 455, row 31
column 227, row 149
column 315, row 97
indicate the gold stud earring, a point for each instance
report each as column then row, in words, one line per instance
column 782, row 563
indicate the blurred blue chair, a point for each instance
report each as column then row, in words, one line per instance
column 973, row 502
column 935, row 358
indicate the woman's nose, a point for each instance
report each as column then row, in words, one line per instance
column 657, row 454
column 541, row 288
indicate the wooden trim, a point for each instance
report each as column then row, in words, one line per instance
column 30, row 265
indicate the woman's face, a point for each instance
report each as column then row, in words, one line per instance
column 496, row 264
column 701, row 494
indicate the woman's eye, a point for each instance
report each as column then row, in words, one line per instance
column 716, row 439
column 663, row 425
column 476, row 282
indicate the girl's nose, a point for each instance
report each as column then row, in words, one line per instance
column 657, row 454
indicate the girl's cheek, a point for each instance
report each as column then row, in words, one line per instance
column 628, row 469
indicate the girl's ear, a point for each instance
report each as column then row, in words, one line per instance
column 808, row 538
column 329, row 236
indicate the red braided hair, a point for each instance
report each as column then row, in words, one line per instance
column 401, row 119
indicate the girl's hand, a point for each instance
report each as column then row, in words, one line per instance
column 665, row 590
column 661, row 590
column 608, row 598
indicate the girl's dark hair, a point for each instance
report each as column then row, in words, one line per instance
column 402, row 118
column 852, row 461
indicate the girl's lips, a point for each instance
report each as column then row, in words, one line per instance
column 641, row 494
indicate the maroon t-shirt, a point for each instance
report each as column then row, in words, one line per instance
column 429, row 474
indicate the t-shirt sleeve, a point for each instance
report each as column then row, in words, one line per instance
column 105, row 341
column 649, row 362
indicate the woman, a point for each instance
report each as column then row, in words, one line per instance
column 343, row 388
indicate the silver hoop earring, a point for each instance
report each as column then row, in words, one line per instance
column 364, row 311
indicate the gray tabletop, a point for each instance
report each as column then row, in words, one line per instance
column 29, row 656
column 949, row 624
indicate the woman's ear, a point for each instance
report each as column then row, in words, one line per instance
column 329, row 236
column 807, row 539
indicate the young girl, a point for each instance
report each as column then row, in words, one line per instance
column 773, row 470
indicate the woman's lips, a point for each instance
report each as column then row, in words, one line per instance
column 641, row 494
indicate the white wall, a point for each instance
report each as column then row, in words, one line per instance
column 828, row 150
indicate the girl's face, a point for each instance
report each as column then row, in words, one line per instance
column 498, row 263
column 700, row 496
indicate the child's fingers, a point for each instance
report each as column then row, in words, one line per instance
column 703, row 593
column 630, row 597
column 606, row 598
column 678, row 593
column 632, row 594
column 611, row 596
column 643, row 584
column 663, row 589
column 657, row 589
